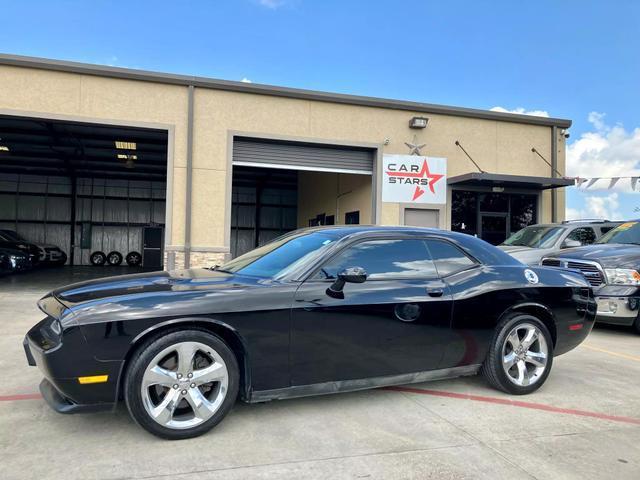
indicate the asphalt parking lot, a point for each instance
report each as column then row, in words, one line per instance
column 583, row 423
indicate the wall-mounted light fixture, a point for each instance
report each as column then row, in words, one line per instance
column 418, row 122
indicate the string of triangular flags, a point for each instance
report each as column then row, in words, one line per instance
column 589, row 182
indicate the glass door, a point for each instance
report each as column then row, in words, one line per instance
column 493, row 227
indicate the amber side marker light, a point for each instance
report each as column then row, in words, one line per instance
column 93, row 379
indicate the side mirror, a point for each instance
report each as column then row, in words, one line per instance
column 568, row 243
column 348, row 275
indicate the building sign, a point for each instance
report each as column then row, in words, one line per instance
column 414, row 179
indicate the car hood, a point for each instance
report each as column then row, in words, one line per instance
column 153, row 282
column 48, row 245
column 514, row 248
column 528, row 255
column 13, row 251
column 23, row 246
column 607, row 254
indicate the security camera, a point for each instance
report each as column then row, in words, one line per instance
column 386, row 141
column 565, row 133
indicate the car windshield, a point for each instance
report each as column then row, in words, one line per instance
column 281, row 255
column 535, row 236
column 628, row 232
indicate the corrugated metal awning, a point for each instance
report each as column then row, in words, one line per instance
column 484, row 179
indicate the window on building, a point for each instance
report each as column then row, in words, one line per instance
column 464, row 212
column 524, row 210
column 384, row 259
column 352, row 218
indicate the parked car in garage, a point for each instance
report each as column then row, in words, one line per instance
column 28, row 248
column 12, row 261
column 319, row 310
column 532, row 243
column 47, row 254
column 612, row 267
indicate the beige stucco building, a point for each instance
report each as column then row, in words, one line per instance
column 242, row 163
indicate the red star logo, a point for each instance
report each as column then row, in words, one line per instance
column 423, row 173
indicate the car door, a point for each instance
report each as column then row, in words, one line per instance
column 464, row 280
column 396, row 322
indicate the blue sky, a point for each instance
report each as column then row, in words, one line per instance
column 572, row 59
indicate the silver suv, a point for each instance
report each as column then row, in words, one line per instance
column 532, row 243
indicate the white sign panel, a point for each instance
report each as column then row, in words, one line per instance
column 414, row 179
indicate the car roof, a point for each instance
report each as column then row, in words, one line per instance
column 578, row 224
column 345, row 230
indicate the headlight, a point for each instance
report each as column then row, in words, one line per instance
column 622, row 276
column 14, row 260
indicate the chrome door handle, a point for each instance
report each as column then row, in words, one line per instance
column 435, row 292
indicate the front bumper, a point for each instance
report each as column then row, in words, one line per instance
column 63, row 363
column 61, row 404
column 617, row 310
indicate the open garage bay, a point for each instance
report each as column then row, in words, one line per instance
column 85, row 188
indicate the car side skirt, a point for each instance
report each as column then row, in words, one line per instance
column 326, row 388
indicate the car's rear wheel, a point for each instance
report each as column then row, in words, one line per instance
column 181, row 384
column 636, row 324
column 521, row 355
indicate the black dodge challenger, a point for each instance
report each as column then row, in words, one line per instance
column 315, row 311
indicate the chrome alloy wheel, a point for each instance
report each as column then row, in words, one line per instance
column 524, row 354
column 184, row 385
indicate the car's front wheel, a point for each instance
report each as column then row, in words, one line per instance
column 181, row 384
column 520, row 356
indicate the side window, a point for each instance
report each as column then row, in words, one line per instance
column 448, row 258
column 584, row 235
column 352, row 218
column 604, row 230
column 384, row 259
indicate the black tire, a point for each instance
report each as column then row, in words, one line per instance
column 144, row 356
column 98, row 259
column 133, row 259
column 636, row 325
column 114, row 258
column 493, row 370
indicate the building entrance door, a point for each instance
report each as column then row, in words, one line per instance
column 493, row 227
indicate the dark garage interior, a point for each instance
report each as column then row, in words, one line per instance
column 263, row 206
column 84, row 188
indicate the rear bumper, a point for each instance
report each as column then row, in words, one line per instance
column 617, row 310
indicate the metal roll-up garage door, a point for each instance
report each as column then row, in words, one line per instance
column 301, row 156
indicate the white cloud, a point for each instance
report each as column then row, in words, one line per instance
column 245, row 80
column 605, row 152
column 272, row 4
column 607, row 206
column 522, row 111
